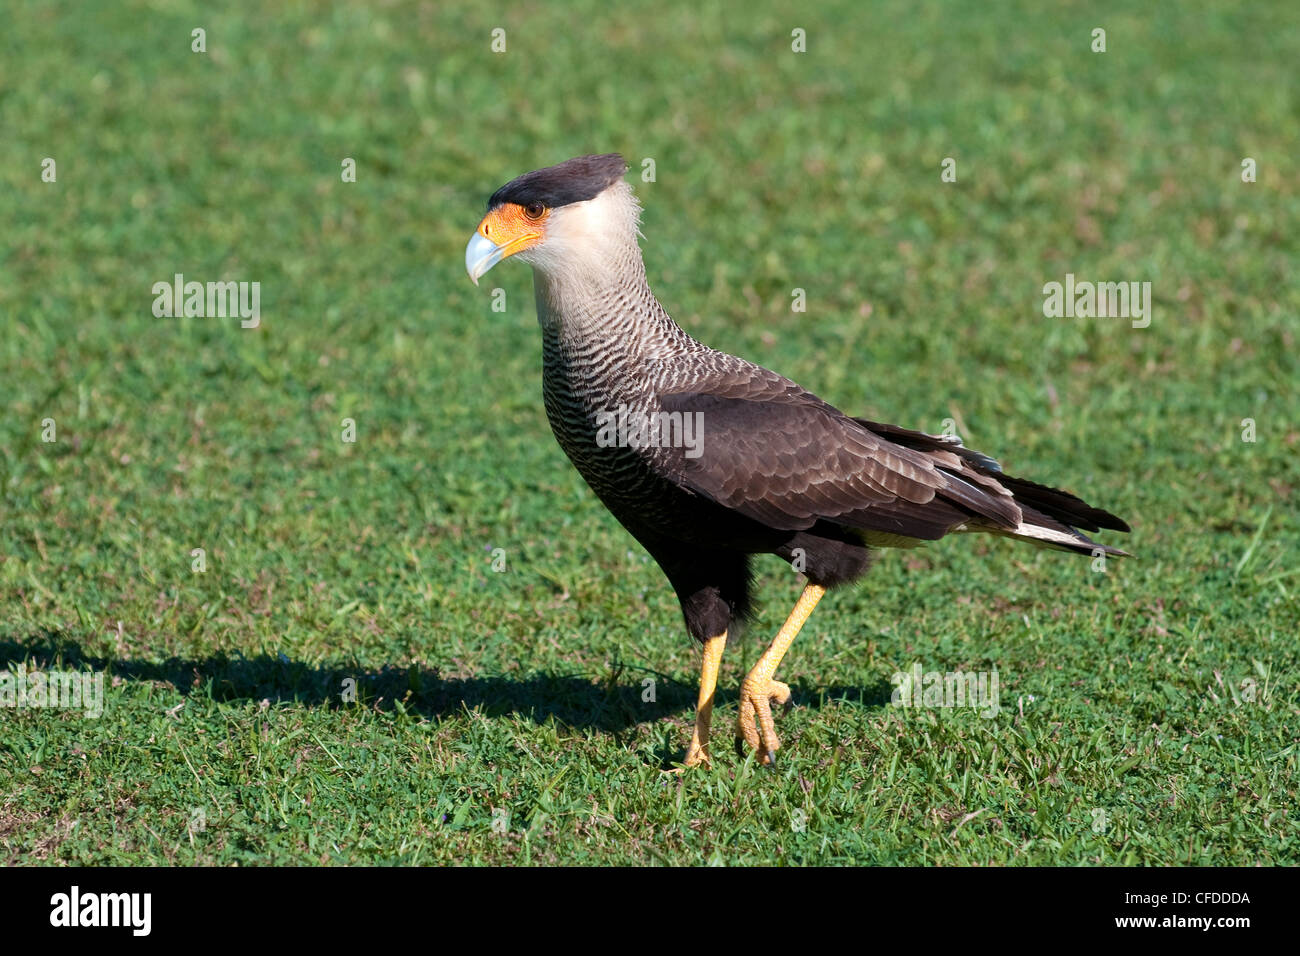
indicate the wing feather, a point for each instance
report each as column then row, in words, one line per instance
column 779, row 455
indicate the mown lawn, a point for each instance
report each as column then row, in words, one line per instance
column 1149, row 713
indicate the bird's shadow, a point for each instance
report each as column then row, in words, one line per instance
column 624, row 697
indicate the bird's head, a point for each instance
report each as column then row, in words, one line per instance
column 556, row 218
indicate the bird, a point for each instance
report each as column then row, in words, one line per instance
column 710, row 461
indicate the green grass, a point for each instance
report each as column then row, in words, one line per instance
column 521, row 692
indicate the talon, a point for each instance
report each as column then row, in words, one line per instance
column 698, row 755
column 758, row 692
column 754, row 722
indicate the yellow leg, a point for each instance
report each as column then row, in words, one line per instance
column 759, row 690
column 699, row 750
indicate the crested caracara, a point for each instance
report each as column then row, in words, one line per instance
column 707, row 459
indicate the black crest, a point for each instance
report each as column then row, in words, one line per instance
column 575, row 180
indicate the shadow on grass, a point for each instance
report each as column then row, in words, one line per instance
column 611, row 704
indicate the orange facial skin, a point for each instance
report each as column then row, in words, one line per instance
column 514, row 228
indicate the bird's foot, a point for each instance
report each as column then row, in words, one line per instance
column 755, row 724
column 696, row 756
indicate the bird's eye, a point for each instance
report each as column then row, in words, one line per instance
column 534, row 210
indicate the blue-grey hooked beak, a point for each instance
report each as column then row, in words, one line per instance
column 481, row 255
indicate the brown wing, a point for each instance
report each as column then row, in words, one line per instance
column 778, row 454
